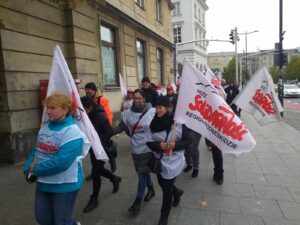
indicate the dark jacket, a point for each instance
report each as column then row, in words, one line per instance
column 151, row 95
column 101, row 124
column 232, row 92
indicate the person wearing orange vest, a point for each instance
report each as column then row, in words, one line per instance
column 92, row 91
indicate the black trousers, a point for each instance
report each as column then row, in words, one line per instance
column 98, row 170
column 169, row 189
column 218, row 162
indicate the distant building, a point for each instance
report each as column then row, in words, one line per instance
column 189, row 23
column 219, row 60
column 99, row 41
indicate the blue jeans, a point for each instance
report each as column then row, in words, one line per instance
column 144, row 181
column 54, row 208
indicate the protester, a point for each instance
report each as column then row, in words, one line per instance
column 92, row 91
column 168, row 141
column 237, row 85
column 192, row 154
column 170, row 93
column 232, row 91
column 56, row 162
column 127, row 101
column 158, row 90
column 150, row 92
column 101, row 124
column 137, row 120
column 218, row 162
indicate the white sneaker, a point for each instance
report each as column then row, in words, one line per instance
column 78, row 223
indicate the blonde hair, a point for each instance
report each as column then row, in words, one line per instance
column 58, row 99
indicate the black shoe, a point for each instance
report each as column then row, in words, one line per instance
column 92, row 204
column 218, row 180
column 116, row 183
column 150, row 194
column 177, row 197
column 187, row 168
column 113, row 165
column 195, row 173
column 89, row 177
column 163, row 221
column 136, row 206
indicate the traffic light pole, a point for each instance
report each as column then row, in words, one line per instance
column 280, row 52
column 236, row 55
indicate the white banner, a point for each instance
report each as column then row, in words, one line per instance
column 202, row 109
column 122, row 86
column 61, row 81
column 260, row 99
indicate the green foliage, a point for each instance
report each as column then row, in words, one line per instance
column 274, row 71
column 292, row 70
column 229, row 70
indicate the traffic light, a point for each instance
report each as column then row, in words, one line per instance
column 284, row 59
column 231, row 36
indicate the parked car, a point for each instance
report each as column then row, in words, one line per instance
column 291, row 90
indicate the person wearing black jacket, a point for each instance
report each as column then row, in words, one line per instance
column 150, row 92
column 168, row 141
column 232, row 91
column 104, row 130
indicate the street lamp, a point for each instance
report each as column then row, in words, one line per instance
column 246, row 66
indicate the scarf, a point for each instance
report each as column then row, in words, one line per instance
column 159, row 124
column 140, row 109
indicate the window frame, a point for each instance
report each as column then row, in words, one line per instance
column 143, row 56
column 177, row 36
column 112, row 45
column 160, row 64
column 158, row 10
column 140, row 3
column 176, row 10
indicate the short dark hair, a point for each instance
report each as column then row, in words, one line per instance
column 91, row 85
column 146, row 79
column 140, row 91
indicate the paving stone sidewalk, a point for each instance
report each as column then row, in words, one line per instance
column 260, row 188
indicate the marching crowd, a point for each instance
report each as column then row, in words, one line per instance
column 159, row 146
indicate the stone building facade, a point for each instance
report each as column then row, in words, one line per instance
column 99, row 41
column 189, row 25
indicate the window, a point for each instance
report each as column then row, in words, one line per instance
column 199, row 15
column 140, row 49
column 196, row 36
column 140, row 3
column 176, row 10
column 195, row 11
column 159, row 57
column 158, row 10
column 109, row 59
column 177, row 34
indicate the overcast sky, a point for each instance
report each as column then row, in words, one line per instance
column 250, row 15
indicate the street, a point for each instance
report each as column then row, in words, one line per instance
column 292, row 112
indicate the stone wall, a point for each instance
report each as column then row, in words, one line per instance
column 34, row 28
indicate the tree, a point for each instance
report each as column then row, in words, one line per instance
column 292, row 70
column 274, row 71
column 229, row 70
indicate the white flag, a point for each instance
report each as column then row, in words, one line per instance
column 260, row 99
column 202, row 109
column 122, row 86
column 61, row 80
column 215, row 81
